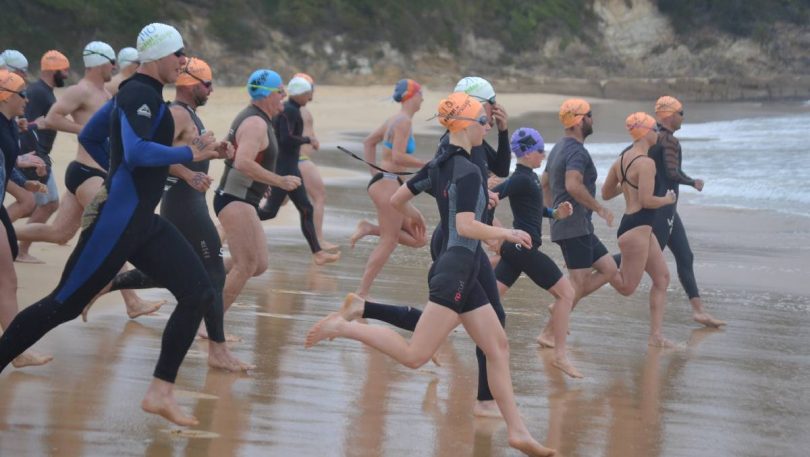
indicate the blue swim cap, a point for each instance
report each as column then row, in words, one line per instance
column 264, row 82
column 526, row 140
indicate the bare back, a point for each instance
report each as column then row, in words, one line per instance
column 636, row 173
column 396, row 131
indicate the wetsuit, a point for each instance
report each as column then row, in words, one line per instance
column 526, row 200
column 668, row 227
column 40, row 100
column 289, row 125
column 185, row 207
column 235, row 185
column 644, row 216
column 487, row 159
column 9, row 151
column 119, row 226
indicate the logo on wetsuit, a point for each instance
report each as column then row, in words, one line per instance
column 144, row 111
column 457, row 297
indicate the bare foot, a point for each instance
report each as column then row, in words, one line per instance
column 353, row 307
column 325, row 328
column 202, row 333
column 529, row 446
column 27, row 258
column 435, row 359
column 546, row 337
column 565, row 366
column 220, row 357
column 363, row 229
column 327, row 246
column 488, row 409
column 140, row 307
column 165, row 405
column 322, row 257
column 30, row 359
column 661, row 342
column 707, row 320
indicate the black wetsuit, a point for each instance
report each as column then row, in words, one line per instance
column 186, row 208
column 40, row 100
column 9, row 151
column 289, row 126
column 120, row 225
column 487, row 159
column 526, row 200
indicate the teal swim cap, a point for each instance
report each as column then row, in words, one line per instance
column 264, row 82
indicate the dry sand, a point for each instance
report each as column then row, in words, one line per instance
column 733, row 392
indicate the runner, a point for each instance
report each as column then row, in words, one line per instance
column 54, row 70
column 121, row 224
column 570, row 176
column 289, row 128
column 640, row 250
column 12, row 104
column 455, row 294
column 526, row 200
column 246, row 179
column 127, row 65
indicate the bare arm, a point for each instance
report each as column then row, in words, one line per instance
column 611, row 188
column 370, row 146
column 252, row 138
column 401, row 132
column 469, row 227
column 68, row 103
column 575, row 187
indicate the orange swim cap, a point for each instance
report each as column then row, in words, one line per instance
column 10, row 83
column 305, row 76
column 195, row 72
column 572, row 111
column 54, row 60
column 638, row 124
column 455, row 106
column 666, row 106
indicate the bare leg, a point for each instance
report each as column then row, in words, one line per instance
column 159, row 399
column 353, row 307
column 635, row 247
column 563, row 292
column 390, row 223
column 659, row 273
column 247, row 246
column 40, row 215
column 24, row 203
column 64, row 226
column 220, row 357
column 702, row 317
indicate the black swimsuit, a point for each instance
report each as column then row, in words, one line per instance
column 644, row 216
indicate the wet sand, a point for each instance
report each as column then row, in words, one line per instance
column 731, row 392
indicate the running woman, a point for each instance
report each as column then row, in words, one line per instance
column 633, row 174
column 121, row 224
column 455, row 294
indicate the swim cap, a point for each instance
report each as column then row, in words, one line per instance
column 455, row 105
column 405, row 89
column 98, row 53
column 572, row 111
column 298, row 86
column 262, row 83
column 477, row 87
column 127, row 56
column 666, row 106
column 14, row 60
column 9, row 84
column 526, row 140
column 196, row 71
column 157, row 41
column 54, row 60
column 305, row 76
column 638, row 124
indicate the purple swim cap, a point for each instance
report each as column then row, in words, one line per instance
column 526, row 140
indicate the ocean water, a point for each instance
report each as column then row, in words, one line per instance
column 757, row 163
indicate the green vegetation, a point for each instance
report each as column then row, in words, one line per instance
column 738, row 17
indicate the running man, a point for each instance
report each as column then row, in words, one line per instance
column 121, row 224
column 526, row 200
column 54, row 70
column 669, row 228
column 12, row 104
column 456, row 297
column 570, row 176
column 289, row 128
column 127, row 65
column 636, row 179
column 246, row 179
column 309, row 171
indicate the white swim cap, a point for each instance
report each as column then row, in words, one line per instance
column 298, row 86
column 98, row 53
column 477, row 87
column 158, row 40
column 127, row 56
column 14, row 60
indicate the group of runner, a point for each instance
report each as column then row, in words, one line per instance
column 136, row 151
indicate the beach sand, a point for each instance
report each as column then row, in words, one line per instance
column 731, row 392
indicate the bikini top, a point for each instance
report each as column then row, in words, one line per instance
column 409, row 149
column 624, row 170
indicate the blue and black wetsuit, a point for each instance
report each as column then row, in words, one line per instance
column 289, row 126
column 9, row 151
column 119, row 226
column 185, row 207
column 526, row 200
